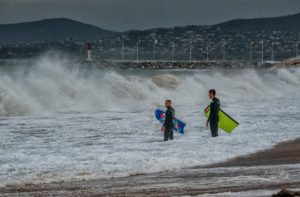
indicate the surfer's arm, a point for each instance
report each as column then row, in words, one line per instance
column 213, row 110
column 167, row 121
column 169, row 118
column 208, row 119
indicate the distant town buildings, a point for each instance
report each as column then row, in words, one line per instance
column 196, row 43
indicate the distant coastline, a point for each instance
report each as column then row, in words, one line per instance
column 275, row 38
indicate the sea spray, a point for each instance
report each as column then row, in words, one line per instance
column 56, row 85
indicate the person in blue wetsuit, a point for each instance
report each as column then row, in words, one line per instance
column 213, row 118
column 168, row 126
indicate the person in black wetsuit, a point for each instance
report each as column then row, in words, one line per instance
column 167, row 128
column 213, row 118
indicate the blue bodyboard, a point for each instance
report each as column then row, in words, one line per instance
column 178, row 124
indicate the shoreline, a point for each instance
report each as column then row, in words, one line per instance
column 287, row 152
column 268, row 170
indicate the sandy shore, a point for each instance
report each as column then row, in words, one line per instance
column 259, row 174
column 283, row 153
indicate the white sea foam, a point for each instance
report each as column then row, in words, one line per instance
column 69, row 122
column 53, row 86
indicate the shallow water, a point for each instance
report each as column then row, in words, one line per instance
column 62, row 121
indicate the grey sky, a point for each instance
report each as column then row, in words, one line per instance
column 142, row 14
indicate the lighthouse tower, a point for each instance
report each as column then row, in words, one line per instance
column 88, row 47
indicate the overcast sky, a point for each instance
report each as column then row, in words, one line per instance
column 143, row 14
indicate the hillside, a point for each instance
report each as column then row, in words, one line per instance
column 50, row 30
column 279, row 33
column 62, row 28
column 282, row 23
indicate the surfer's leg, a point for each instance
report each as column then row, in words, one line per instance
column 217, row 129
column 214, row 128
column 166, row 134
column 171, row 134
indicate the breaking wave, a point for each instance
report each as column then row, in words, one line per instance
column 56, row 85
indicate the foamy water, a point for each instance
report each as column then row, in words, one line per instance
column 63, row 121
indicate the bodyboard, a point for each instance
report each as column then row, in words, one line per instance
column 226, row 123
column 178, row 124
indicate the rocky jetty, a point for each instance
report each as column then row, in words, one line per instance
column 177, row 65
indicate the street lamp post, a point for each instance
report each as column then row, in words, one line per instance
column 262, row 51
column 273, row 58
column 123, row 48
column 297, row 47
column 207, row 51
column 137, row 48
column 100, row 48
column 155, row 41
column 224, row 51
column 190, row 50
column 173, row 50
column 251, row 51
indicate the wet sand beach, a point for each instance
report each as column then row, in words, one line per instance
column 259, row 174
